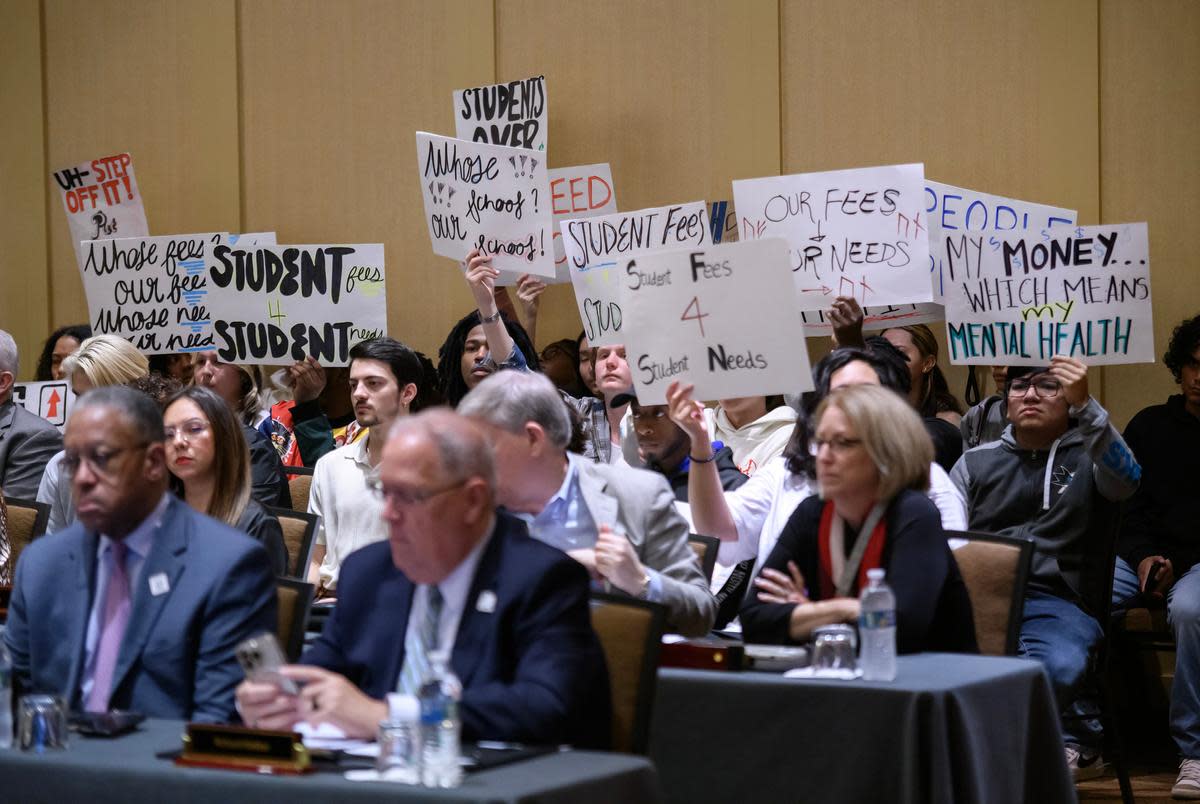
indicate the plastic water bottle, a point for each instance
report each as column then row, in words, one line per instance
column 6, row 718
column 400, row 740
column 877, row 629
column 440, row 726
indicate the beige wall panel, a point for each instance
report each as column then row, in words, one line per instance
column 156, row 79
column 995, row 97
column 679, row 96
column 1149, row 111
column 24, row 294
column 332, row 95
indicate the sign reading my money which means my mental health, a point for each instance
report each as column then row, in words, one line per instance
column 722, row 318
column 1020, row 299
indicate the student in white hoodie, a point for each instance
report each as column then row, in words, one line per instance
column 755, row 428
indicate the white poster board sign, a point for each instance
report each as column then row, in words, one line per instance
column 487, row 197
column 583, row 191
column 101, row 200
column 721, row 317
column 252, row 239
column 277, row 304
column 513, row 114
column 51, row 400
column 595, row 247
column 1019, row 299
column 859, row 232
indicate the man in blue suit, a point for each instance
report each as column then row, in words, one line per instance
column 138, row 605
column 456, row 576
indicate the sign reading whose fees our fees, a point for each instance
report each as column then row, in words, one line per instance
column 1019, row 299
column 102, row 201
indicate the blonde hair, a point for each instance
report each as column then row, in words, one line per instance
column 890, row 431
column 106, row 360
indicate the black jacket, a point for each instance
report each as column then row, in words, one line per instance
column 261, row 526
column 731, row 476
column 270, row 486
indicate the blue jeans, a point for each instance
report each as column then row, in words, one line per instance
column 1183, row 614
column 1063, row 638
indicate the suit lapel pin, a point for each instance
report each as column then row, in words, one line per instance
column 159, row 585
column 486, row 602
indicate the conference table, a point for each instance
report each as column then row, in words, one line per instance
column 126, row 769
column 950, row 728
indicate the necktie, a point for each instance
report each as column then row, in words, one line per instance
column 115, row 617
column 418, row 642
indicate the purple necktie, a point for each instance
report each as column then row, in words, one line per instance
column 112, row 629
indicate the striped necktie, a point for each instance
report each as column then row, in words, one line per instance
column 419, row 642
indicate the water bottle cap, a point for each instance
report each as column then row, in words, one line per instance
column 403, row 708
column 876, row 574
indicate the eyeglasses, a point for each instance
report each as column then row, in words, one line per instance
column 839, row 445
column 410, row 497
column 1045, row 388
column 100, row 459
column 188, row 431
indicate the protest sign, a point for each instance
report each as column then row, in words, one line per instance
column 722, row 222
column 101, row 200
column 584, row 191
column 1018, row 299
column 251, row 239
column 596, row 246
column 487, row 197
column 276, row 304
column 151, row 290
column 875, row 318
column 51, row 400
column 720, row 317
column 859, row 233
column 512, row 114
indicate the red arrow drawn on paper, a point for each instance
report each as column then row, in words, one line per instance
column 821, row 289
column 52, row 404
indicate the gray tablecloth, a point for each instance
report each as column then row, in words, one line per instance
column 952, row 729
column 125, row 770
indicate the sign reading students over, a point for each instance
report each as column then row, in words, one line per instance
column 277, row 304
column 102, row 201
column 151, row 290
column 722, row 317
column 512, row 114
column 1020, row 299
column 596, row 247
column 859, row 233
column 487, row 197
column 51, row 400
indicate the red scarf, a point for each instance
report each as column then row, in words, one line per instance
column 871, row 559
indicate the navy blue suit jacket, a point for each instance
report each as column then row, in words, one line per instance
column 176, row 660
column 531, row 668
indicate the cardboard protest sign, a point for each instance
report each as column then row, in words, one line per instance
column 276, row 304
column 859, row 233
column 488, row 197
column 584, row 191
column 512, row 114
column 51, row 400
column 721, row 317
column 151, row 290
column 1018, row 299
column 101, row 200
column 596, row 246
column 875, row 318
column 722, row 222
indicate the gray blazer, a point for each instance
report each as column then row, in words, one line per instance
column 644, row 505
column 27, row 443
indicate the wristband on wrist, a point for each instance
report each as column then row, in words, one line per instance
column 709, row 459
column 489, row 319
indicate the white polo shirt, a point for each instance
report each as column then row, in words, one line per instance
column 351, row 514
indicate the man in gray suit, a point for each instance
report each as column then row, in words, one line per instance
column 537, row 478
column 139, row 604
column 27, row 442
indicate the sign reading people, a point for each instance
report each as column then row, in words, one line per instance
column 487, row 197
column 1019, row 299
column 512, row 114
column 276, row 304
column 860, row 233
column 597, row 250
column 721, row 317
column 101, row 200
column 51, row 400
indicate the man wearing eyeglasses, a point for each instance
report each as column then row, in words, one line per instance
column 139, row 604
column 1056, row 475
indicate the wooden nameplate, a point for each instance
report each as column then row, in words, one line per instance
column 239, row 748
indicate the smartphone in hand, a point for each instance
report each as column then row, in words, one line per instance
column 261, row 657
column 1152, row 576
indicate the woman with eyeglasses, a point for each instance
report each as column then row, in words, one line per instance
column 872, row 467
column 208, row 457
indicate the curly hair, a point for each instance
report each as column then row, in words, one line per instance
column 80, row 332
column 1184, row 341
column 449, row 368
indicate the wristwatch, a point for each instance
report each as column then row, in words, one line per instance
column 644, row 592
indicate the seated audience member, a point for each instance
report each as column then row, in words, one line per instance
column 27, row 441
column 947, row 440
column 560, row 362
column 537, row 478
column 607, row 430
column 985, row 422
column 100, row 361
column 207, row 456
column 469, row 351
column 459, row 577
column 873, row 459
column 755, row 428
column 318, row 418
column 139, row 604
column 384, row 377
column 1160, row 538
column 61, row 343
column 1056, row 476
column 587, row 369
column 177, row 366
column 238, row 386
column 930, row 394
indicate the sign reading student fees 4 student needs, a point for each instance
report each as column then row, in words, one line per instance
column 859, row 233
column 597, row 250
column 1022, row 298
column 487, row 197
column 722, row 318
column 512, row 114
column 102, row 201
